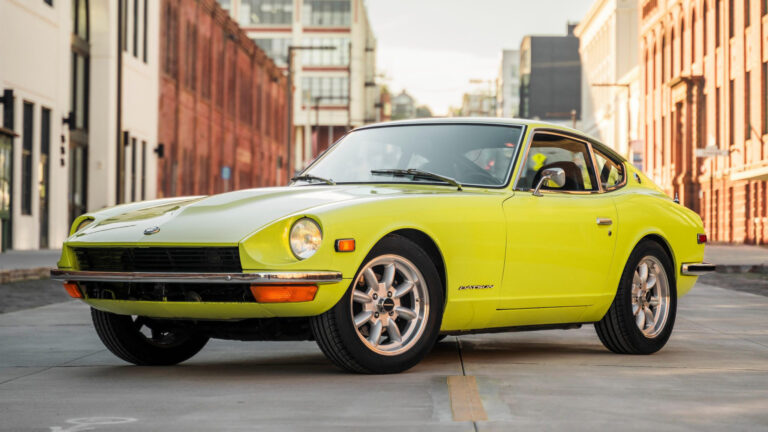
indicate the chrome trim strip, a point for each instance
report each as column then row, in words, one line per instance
column 696, row 269
column 258, row 277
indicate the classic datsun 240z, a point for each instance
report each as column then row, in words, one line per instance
column 399, row 234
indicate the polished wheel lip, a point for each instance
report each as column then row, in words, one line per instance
column 171, row 277
column 650, row 296
column 380, row 308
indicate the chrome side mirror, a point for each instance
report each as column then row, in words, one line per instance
column 551, row 175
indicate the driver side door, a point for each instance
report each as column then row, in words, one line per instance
column 560, row 244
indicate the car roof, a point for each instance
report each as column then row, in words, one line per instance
column 501, row 122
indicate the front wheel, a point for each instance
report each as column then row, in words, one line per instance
column 642, row 315
column 390, row 316
column 144, row 341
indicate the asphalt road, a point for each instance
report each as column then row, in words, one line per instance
column 712, row 375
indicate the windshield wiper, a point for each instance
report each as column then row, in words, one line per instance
column 418, row 173
column 310, row 177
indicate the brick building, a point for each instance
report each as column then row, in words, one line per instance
column 222, row 105
column 705, row 84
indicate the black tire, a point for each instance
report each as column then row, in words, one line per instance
column 618, row 330
column 122, row 335
column 337, row 335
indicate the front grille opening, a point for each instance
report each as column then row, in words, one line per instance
column 170, row 292
column 160, row 259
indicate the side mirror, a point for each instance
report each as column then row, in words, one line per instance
column 554, row 175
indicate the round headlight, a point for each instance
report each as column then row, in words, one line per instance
column 82, row 225
column 305, row 238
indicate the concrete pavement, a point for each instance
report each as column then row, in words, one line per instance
column 712, row 375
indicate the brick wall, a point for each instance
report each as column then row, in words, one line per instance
column 222, row 104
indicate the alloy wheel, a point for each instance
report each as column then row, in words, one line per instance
column 650, row 296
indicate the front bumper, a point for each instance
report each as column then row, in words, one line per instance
column 159, row 277
column 696, row 269
column 331, row 287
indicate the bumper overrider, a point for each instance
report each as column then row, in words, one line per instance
column 274, row 294
column 696, row 269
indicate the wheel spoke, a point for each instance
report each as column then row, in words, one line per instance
column 362, row 318
column 403, row 289
column 389, row 276
column 651, row 282
column 375, row 333
column 393, row 331
column 649, row 320
column 635, row 308
column 640, row 321
column 370, row 279
column 642, row 270
column 361, row 297
column 405, row 313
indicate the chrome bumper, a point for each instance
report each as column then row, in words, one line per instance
column 251, row 278
column 697, row 269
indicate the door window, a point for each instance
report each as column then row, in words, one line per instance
column 611, row 172
column 556, row 151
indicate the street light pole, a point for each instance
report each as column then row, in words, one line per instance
column 289, row 100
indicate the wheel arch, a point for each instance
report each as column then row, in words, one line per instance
column 664, row 245
column 428, row 245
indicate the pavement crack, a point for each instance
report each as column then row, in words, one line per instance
column 65, row 364
column 464, row 373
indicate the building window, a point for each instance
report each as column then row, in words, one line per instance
column 327, row 13
column 78, row 137
column 718, row 112
column 48, row 2
column 124, row 23
column 704, row 24
column 205, row 74
column 171, row 46
column 43, row 177
column 764, row 7
column 266, row 12
column 143, row 178
column 747, row 106
column 133, row 169
column 747, row 13
column 136, row 28
column 26, row 158
column 731, row 15
column 764, row 99
column 222, row 53
column 338, row 56
column 190, row 59
column 718, row 14
column 231, row 89
column 731, row 109
column 325, row 90
column 275, row 48
column 144, row 32
column 246, row 96
column 693, row 36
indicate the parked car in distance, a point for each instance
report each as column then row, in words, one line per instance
column 400, row 233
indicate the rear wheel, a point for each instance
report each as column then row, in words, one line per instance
column 642, row 315
column 389, row 318
column 144, row 341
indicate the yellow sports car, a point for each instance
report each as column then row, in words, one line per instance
column 400, row 234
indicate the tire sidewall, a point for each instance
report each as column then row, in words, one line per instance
column 636, row 336
column 394, row 245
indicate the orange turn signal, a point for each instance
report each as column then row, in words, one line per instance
column 345, row 245
column 283, row 293
column 73, row 290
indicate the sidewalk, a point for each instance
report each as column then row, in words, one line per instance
column 738, row 258
column 25, row 265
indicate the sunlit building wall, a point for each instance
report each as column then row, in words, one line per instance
column 704, row 84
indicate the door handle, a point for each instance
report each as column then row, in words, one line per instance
column 604, row 221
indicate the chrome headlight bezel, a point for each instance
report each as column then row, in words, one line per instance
column 305, row 238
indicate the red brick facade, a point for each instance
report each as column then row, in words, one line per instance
column 222, row 104
column 704, row 77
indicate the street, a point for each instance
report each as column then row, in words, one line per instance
column 712, row 375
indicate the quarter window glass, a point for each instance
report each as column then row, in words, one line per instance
column 554, row 151
column 611, row 173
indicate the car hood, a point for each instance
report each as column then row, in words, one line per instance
column 227, row 218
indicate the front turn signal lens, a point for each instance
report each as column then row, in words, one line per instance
column 701, row 238
column 283, row 293
column 345, row 245
column 73, row 290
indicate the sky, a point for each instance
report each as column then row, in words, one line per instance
column 433, row 48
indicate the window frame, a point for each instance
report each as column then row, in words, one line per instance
column 613, row 159
column 590, row 151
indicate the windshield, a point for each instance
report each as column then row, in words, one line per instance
column 478, row 155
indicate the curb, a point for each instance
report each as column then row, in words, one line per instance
column 736, row 268
column 17, row 275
